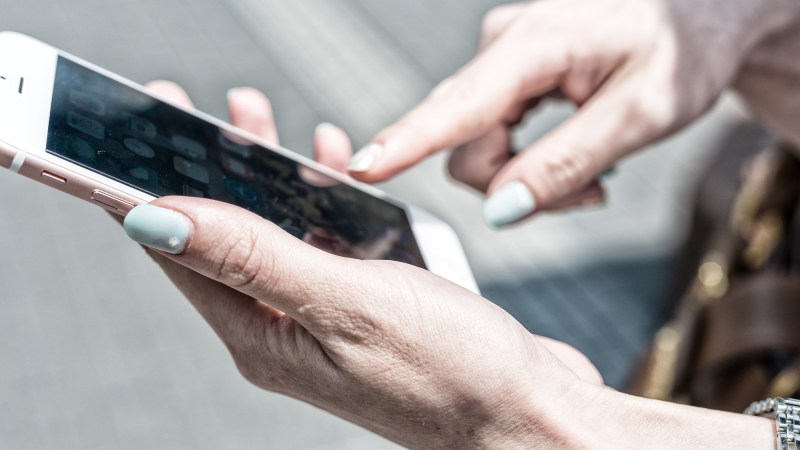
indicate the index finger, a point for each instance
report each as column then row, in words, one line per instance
column 465, row 106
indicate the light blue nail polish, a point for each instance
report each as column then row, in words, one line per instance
column 324, row 126
column 232, row 92
column 511, row 204
column 366, row 158
column 159, row 228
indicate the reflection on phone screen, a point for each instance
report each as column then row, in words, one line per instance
column 152, row 146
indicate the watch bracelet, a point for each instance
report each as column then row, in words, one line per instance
column 786, row 412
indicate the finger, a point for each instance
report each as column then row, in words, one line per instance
column 170, row 91
column 497, row 21
column 249, row 254
column 251, row 111
column 476, row 163
column 198, row 288
column 332, row 147
column 466, row 106
column 592, row 195
column 619, row 120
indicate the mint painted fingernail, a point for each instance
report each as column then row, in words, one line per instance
column 159, row 228
column 509, row 205
column 366, row 158
column 232, row 92
column 323, row 127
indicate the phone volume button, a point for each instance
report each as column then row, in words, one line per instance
column 111, row 201
column 57, row 179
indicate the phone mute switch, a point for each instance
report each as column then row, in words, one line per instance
column 53, row 178
column 111, row 201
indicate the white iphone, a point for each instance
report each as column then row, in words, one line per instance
column 95, row 135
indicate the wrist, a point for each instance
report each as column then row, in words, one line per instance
column 633, row 422
column 576, row 414
column 581, row 415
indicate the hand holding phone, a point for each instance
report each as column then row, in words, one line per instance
column 104, row 139
column 358, row 332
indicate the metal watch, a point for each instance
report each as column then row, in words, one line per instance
column 786, row 412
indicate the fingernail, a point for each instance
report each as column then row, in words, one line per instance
column 366, row 158
column 511, row 204
column 159, row 228
column 323, row 127
column 232, row 92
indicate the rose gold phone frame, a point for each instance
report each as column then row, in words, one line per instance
column 67, row 181
column 6, row 155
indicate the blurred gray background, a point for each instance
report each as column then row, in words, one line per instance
column 98, row 350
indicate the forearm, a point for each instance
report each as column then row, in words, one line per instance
column 652, row 424
column 582, row 415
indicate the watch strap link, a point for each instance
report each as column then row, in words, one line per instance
column 786, row 412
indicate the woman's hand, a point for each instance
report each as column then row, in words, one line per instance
column 391, row 347
column 638, row 70
column 388, row 346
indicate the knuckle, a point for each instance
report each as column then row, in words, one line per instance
column 261, row 372
column 492, row 21
column 242, row 263
column 253, row 369
column 649, row 116
column 499, row 18
column 250, row 360
column 564, row 172
column 652, row 114
column 264, row 357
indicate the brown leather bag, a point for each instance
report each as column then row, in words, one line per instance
column 735, row 335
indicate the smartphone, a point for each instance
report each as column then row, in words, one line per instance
column 104, row 139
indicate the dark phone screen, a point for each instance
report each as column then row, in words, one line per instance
column 152, row 146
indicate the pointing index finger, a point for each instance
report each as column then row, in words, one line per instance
column 463, row 107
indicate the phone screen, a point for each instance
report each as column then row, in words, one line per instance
column 119, row 132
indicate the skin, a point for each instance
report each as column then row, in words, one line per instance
column 392, row 347
column 638, row 70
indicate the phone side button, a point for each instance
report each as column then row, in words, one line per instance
column 111, row 201
column 53, row 178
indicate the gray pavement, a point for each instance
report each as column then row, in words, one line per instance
column 98, row 350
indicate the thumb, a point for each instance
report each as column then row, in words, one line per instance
column 247, row 253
